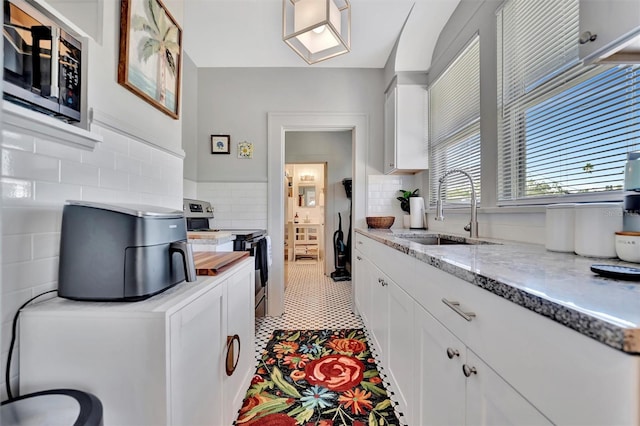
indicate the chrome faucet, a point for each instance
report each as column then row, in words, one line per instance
column 472, row 227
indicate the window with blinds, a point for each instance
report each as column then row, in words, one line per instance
column 563, row 128
column 454, row 127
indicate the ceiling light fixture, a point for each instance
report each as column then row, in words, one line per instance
column 317, row 29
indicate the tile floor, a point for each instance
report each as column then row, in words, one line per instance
column 315, row 301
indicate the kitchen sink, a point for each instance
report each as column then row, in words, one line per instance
column 441, row 240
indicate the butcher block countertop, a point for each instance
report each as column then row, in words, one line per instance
column 213, row 263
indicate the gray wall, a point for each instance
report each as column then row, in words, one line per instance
column 190, row 117
column 334, row 148
column 236, row 101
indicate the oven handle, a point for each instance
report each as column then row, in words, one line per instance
column 248, row 245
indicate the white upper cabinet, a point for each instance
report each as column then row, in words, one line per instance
column 610, row 31
column 405, row 129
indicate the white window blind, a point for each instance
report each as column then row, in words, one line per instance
column 454, row 126
column 563, row 128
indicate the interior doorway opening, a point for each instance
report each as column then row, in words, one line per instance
column 310, row 151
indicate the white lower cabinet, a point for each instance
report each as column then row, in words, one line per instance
column 492, row 401
column 161, row 361
column 459, row 355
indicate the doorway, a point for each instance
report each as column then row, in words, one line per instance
column 304, row 213
column 278, row 125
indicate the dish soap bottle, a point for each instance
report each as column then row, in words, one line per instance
column 295, row 218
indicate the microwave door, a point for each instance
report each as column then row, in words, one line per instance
column 43, row 61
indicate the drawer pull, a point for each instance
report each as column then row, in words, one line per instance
column 468, row 370
column 232, row 363
column 456, row 307
column 358, row 257
column 452, row 352
column 359, row 242
column 384, row 283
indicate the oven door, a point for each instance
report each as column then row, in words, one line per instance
column 260, row 262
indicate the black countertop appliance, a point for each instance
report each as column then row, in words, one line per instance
column 121, row 252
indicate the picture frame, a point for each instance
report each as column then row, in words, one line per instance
column 220, row 144
column 149, row 67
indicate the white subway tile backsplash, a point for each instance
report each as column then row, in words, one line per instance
column 146, row 185
column 31, row 220
column 56, row 193
column 128, row 165
column 16, row 191
column 76, row 173
column 56, row 150
column 140, row 151
column 38, row 176
column 16, row 248
column 113, row 180
column 100, row 157
column 25, row 275
column 21, row 164
column 113, row 141
column 46, row 245
column 17, row 141
column 151, row 170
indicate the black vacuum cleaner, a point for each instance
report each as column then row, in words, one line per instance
column 342, row 251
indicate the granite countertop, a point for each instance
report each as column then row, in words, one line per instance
column 210, row 237
column 559, row 286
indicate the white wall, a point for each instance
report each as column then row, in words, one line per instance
column 141, row 164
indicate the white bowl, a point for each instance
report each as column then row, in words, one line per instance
column 628, row 246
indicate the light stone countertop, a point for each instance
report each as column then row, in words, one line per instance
column 560, row 286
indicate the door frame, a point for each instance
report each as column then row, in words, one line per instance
column 277, row 125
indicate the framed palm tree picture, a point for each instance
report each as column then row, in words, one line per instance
column 150, row 53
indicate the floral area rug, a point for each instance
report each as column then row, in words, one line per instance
column 317, row 378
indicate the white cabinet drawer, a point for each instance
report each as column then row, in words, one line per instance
column 555, row 368
column 365, row 245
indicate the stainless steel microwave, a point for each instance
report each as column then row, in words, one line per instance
column 42, row 62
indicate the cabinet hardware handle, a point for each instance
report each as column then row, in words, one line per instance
column 390, row 164
column 358, row 257
column 452, row 352
column 587, row 37
column 468, row 370
column 231, row 364
column 384, row 283
column 359, row 242
column 379, row 280
column 456, row 307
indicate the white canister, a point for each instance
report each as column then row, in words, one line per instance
column 595, row 228
column 559, row 227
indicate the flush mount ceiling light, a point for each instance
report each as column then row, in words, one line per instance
column 317, row 29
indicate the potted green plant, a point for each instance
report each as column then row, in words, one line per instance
column 405, row 205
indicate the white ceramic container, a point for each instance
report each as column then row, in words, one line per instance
column 628, row 246
column 595, row 228
column 559, row 227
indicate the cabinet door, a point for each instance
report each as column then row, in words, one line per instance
column 196, row 343
column 492, row 401
column 614, row 22
column 390, row 131
column 379, row 314
column 401, row 350
column 439, row 382
column 362, row 269
column 240, row 350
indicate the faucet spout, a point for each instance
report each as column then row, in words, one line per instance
column 472, row 227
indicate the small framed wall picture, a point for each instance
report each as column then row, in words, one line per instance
column 220, row 144
column 245, row 150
